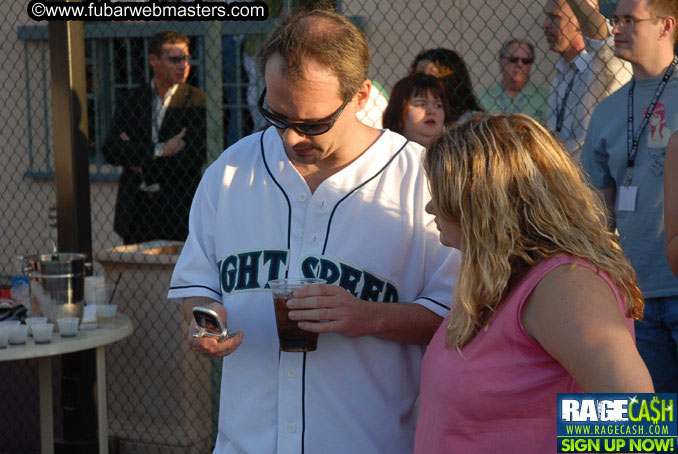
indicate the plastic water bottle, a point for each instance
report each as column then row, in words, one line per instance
column 20, row 288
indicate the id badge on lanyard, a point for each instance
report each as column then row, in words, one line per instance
column 627, row 194
column 627, row 198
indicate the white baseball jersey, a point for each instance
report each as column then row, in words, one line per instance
column 254, row 219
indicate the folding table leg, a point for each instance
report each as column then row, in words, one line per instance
column 102, row 414
column 46, row 416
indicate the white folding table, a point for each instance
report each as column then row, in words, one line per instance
column 84, row 340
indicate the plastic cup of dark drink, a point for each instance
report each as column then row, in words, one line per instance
column 291, row 337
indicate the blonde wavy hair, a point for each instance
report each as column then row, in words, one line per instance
column 519, row 199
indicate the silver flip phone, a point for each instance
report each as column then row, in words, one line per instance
column 209, row 324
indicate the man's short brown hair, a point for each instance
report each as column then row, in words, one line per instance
column 326, row 37
column 665, row 8
column 166, row 37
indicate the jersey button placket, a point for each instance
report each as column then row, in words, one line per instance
column 315, row 223
column 302, row 199
column 296, row 232
column 290, row 394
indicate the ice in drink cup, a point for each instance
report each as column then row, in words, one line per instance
column 106, row 315
column 291, row 337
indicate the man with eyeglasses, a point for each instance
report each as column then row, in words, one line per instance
column 624, row 155
column 516, row 94
column 586, row 72
column 317, row 194
column 158, row 137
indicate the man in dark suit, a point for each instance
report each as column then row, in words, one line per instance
column 158, row 137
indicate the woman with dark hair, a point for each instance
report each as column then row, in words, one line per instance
column 417, row 108
column 449, row 67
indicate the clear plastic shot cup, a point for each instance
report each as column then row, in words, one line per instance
column 291, row 337
column 17, row 334
column 30, row 321
column 106, row 315
column 68, row 326
column 42, row 333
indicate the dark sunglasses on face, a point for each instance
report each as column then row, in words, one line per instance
column 306, row 128
column 524, row 61
column 178, row 60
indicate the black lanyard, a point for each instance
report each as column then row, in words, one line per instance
column 561, row 112
column 634, row 140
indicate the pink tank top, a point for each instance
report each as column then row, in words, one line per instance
column 502, row 397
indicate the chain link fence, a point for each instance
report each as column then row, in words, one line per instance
column 162, row 398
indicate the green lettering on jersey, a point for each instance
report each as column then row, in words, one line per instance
column 350, row 278
column 251, row 270
column 248, row 271
column 329, row 271
column 228, row 269
column 357, row 281
column 309, row 267
column 275, row 259
column 372, row 287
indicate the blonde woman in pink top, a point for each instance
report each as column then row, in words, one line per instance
column 544, row 300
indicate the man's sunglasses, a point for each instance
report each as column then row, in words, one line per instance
column 524, row 61
column 306, row 128
column 177, row 60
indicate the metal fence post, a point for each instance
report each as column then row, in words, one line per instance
column 214, row 89
column 74, row 229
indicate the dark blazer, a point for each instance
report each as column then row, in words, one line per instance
column 142, row 216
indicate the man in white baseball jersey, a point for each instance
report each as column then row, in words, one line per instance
column 318, row 195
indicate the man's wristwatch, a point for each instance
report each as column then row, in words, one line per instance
column 157, row 153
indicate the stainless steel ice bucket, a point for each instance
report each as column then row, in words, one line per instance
column 57, row 284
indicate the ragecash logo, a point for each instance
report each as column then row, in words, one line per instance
column 617, row 423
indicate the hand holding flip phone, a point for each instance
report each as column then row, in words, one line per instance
column 209, row 324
